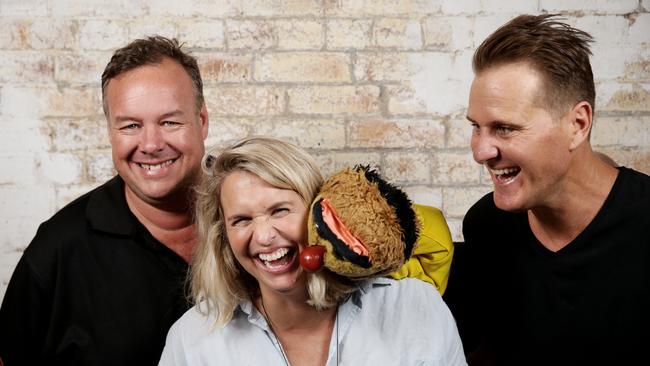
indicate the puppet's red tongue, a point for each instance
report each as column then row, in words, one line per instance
column 340, row 230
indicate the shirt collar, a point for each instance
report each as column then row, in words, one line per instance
column 108, row 211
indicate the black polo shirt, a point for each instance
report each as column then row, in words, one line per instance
column 92, row 288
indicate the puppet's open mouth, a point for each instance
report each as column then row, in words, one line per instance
column 342, row 249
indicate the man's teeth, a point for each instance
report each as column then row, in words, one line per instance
column 156, row 166
column 504, row 171
column 267, row 257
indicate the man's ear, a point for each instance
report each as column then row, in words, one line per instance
column 581, row 118
column 203, row 120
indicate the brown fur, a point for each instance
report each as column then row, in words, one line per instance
column 369, row 217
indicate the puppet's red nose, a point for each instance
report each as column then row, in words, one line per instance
column 312, row 258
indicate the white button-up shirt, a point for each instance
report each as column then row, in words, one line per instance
column 386, row 322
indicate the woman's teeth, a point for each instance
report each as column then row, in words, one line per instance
column 267, row 257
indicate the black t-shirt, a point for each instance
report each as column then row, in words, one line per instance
column 92, row 288
column 588, row 303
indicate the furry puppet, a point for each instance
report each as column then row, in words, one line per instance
column 361, row 226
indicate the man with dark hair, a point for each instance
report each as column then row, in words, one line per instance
column 103, row 279
column 556, row 264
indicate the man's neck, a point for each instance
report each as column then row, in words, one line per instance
column 171, row 224
column 586, row 188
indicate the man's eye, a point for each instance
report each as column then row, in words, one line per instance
column 131, row 126
column 504, row 130
column 170, row 123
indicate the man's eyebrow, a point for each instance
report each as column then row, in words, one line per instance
column 174, row 113
column 470, row 119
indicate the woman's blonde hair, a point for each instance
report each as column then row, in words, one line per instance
column 219, row 283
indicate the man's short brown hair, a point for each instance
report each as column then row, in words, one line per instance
column 555, row 49
column 150, row 51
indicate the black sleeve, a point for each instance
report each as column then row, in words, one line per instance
column 464, row 295
column 23, row 318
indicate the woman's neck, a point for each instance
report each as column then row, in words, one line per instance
column 303, row 331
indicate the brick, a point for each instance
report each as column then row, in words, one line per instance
column 401, row 133
column 34, row 8
column 334, row 99
column 620, row 62
column 72, row 134
column 397, row 33
column 24, row 103
column 354, row 8
column 250, row 35
column 626, row 97
column 225, row 130
column 202, row 34
column 513, row 7
column 589, row 6
column 59, row 168
column 101, row 8
column 166, row 28
column 635, row 158
column 298, row 34
column 99, row 166
column 332, row 161
column 448, row 33
column 488, row 24
column 17, row 168
column 281, row 8
column 54, row 33
column 407, row 167
column 639, row 26
column 303, row 67
column 465, row 7
column 394, row 66
column 456, row 228
column 22, row 67
column 28, row 205
column 72, row 102
column 428, row 95
column 193, row 8
column 425, row 195
column 15, row 34
column 224, row 67
column 457, row 200
column 98, row 34
column 66, row 194
column 455, row 167
column 606, row 29
column 81, row 68
column 21, row 135
column 621, row 131
column 349, row 33
column 245, row 100
column 459, row 134
column 314, row 134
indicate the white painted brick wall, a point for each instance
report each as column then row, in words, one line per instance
column 380, row 82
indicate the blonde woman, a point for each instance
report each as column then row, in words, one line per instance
column 255, row 305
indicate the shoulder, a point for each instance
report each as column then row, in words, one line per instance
column 398, row 294
column 193, row 326
column 635, row 183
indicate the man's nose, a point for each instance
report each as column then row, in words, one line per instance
column 152, row 140
column 483, row 148
column 265, row 232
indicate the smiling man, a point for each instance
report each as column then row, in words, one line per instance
column 103, row 279
column 555, row 268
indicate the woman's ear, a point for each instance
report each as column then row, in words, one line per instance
column 580, row 120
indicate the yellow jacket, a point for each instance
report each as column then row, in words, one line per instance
column 432, row 256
